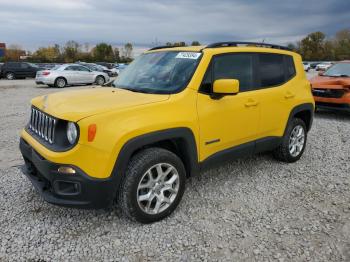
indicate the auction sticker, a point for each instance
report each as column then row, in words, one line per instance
column 188, row 55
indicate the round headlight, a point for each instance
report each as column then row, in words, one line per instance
column 72, row 132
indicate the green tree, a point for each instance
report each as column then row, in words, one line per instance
column 46, row 54
column 103, row 52
column 312, row 46
column 342, row 44
column 14, row 52
column 195, row 43
column 71, row 51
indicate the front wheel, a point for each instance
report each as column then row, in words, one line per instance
column 293, row 142
column 100, row 80
column 153, row 185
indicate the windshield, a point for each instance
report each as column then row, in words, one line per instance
column 159, row 73
column 341, row 69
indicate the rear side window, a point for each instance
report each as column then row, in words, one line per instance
column 271, row 70
column 13, row 65
column 275, row 69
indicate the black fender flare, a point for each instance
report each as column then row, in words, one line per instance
column 300, row 108
column 183, row 134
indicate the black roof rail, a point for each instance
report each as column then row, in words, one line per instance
column 161, row 47
column 229, row 44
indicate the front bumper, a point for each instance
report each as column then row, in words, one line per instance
column 72, row 190
column 333, row 106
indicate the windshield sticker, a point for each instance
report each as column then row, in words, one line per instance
column 188, row 55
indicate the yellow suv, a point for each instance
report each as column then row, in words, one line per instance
column 172, row 112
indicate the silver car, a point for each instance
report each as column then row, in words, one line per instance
column 70, row 74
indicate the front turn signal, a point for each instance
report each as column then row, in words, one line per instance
column 92, row 132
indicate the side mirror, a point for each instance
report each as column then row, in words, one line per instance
column 321, row 73
column 224, row 87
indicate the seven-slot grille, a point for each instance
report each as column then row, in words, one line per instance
column 42, row 125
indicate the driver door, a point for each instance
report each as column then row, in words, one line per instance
column 230, row 122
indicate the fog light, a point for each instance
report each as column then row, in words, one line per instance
column 66, row 170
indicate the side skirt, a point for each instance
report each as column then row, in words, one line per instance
column 261, row 145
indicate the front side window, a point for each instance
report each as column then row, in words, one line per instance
column 159, row 72
column 24, row 66
column 230, row 66
column 235, row 66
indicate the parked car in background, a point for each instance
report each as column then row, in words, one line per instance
column 331, row 89
column 323, row 66
column 313, row 65
column 70, row 74
column 120, row 67
column 307, row 66
column 100, row 68
column 13, row 70
column 108, row 65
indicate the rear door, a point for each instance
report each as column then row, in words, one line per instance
column 276, row 92
column 85, row 75
column 70, row 74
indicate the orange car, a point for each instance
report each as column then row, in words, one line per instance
column 331, row 89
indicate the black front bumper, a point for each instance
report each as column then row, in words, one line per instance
column 71, row 190
column 333, row 106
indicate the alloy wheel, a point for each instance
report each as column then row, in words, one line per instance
column 296, row 140
column 158, row 188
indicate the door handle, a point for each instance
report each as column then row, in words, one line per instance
column 251, row 102
column 289, row 95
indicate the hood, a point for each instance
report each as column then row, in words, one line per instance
column 78, row 104
column 330, row 82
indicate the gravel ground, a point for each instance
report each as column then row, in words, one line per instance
column 253, row 209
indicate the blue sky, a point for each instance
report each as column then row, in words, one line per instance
column 33, row 23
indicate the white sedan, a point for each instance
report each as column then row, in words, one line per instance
column 70, row 74
column 323, row 66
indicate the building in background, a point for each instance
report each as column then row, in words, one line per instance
column 2, row 49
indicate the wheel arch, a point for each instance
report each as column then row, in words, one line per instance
column 62, row 78
column 100, row 76
column 180, row 141
column 304, row 112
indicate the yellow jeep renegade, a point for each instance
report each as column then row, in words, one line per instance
column 170, row 113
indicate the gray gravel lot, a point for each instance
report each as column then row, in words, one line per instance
column 253, row 209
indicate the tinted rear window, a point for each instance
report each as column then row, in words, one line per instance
column 275, row 69
column 271, row 70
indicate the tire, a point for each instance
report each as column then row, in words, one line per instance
column 10, row 76
column 60, row 82
column 285, row 151
column 100, row 80
column 140, row 180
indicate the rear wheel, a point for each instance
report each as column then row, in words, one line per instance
column 10, row 76
column 100, row 80
column 153, row 185
column 293, row 142
column 60, row 82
